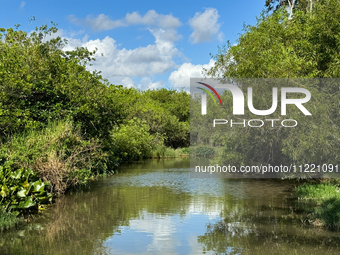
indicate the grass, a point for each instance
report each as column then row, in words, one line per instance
column 8, row 219
column 317, row 192
column 59, row 153
column 199, row 151
column 321, row 202
column 165, row 152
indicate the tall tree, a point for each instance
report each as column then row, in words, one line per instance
column 306, row 46
column 302, row 5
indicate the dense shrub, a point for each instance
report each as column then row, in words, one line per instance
column 321, row 202
column 154, row 108
column 132, row 141
column 39, row 82
column 58, row 154
column 202, row 151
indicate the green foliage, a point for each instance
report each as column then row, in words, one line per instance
column 277, row 47
column 42, row 82
column 163, row 152
column 22, row 189
column 322, row 202
column 202, row 151
column 58, row 154
column 302, row 5
column 186, row 150
column 167, row 113
column 159, row 151
column 316, row 192
column 177, row 103
column 8, row 219
column 65, row 125
column 132, row 141
column 305, row 46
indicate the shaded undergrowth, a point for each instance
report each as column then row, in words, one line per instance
column 321, row 203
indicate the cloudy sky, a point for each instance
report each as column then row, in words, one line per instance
column 145, row 44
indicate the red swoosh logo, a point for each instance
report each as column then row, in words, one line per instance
column 213, row 90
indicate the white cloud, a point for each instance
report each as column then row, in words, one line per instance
column 128, row 82
column 120, row 66
column 181, row 77
column 142, row 61
column 22, row 4
column 165, row 35
column 205, row 26
column 151, row 18
column 146, row 83
column 102, row 22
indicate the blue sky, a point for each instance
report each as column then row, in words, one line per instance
column 146, row 44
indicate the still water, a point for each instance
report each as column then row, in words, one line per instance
column 154, row 207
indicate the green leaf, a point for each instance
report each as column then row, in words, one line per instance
column 27, row 203
column 38, row 186
column 4, row 191
column 16, row 174
column 21, row 192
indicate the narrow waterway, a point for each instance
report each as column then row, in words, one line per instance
column 154, row 207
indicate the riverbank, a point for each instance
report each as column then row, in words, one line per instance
column 29, row 191
column 320, row 204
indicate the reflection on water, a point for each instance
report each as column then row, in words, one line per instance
column 154, row 207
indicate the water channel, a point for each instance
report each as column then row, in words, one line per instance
column 154, row 207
